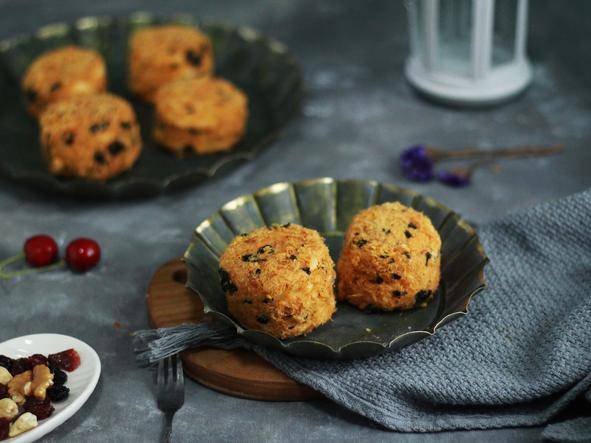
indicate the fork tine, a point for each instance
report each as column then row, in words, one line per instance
column 170, row 370
column 179, row 370
column 160, row 374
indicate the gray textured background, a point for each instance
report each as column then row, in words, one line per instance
column 358, row 115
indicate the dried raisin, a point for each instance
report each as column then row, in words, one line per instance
column 42, row 409
column 422, row 296
column 69, row 138
column 360, row 243
column 31, row 94
column 193, row 57
column 263, row 319
column 58, row 393
column 55, row 86
column 99, row 158
column 98, row 127
column 226, row 282
column 116, row 147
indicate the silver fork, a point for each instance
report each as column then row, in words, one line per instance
column 170, row 385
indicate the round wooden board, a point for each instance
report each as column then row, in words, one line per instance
column 238, row 372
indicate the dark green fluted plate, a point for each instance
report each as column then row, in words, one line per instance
column 328, row 205
column 261, row 67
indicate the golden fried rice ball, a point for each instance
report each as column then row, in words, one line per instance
column 161, row 54
column 61, row 74
column 94, row 137
column 202, row 116
column 390, row 259
column 279, row 280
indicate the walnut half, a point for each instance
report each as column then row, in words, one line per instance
column 18, row 385
column 42, row 379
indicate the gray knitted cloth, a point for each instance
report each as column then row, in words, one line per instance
column 521, row 355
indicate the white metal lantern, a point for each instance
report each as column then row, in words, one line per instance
column 469, row 52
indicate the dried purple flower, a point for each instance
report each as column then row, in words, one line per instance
column 417, row 164
column 457, row 178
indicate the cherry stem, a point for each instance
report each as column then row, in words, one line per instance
column 10, row 260
column 519, row 152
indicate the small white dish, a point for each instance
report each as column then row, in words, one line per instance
column 81, row 382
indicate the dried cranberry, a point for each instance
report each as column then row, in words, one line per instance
column 21, row 365
column 37, row 359
column 59, row 377
column 3, row 392
column 67, row 360
column 4, row 428
column 58, row 393
column 42, row 409
column 6, row 362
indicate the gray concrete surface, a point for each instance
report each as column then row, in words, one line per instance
column 359, row 114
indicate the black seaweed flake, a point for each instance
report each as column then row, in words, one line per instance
column 31, row 94
column 395, row 276
column 307, row 270
column 116, row 147
column 427, row 258
column 407, row 234
column 69, row 138
column 99, row 158
column 397, row 293
column 386, row 231
column 247, row 301
column 412, row 226
column 226, row 282
column 391, row 261
column 125, row 125
column 193, row 57
column 252, row 258
column 55, row 86
column 102, row 126
column 257, row 271
column 263, row 319
column 360, row 243
column 384, row 256
column 293, row 257
column 267, row 300
column 406, row 254
column 243, row 234
column 266, row 249
column 422, row 296
column 378, row 280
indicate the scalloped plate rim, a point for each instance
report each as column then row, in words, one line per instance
column 151, row 187
column 338, row 352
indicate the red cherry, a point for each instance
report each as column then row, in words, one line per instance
column 40, row 250
column 83, row 254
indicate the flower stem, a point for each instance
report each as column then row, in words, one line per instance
column 4, row 275
column 518, row 152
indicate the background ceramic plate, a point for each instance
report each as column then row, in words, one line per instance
column 81, row 382
column 328, row 205
column 261, row 67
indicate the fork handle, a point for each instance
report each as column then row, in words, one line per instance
column 167, row 432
